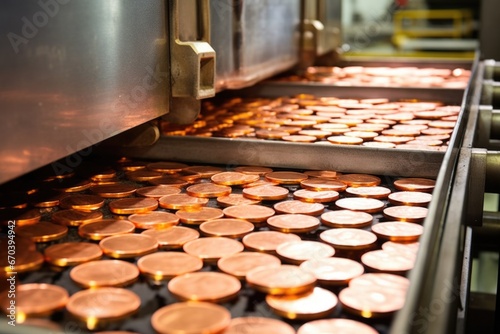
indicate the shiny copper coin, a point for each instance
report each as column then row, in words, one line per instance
column 71, row 185
column 271, row 134
column 379, row 144
column 233, row 178
column 102, row 273
column 442, row 124
column 205, row 286
column 240, row 264
column 345, row 140
column 296, row 252
column 20, row 216
column 319, row 134
column 267, row 241
column 393, row 139
column 313, row 196
column 300, row 138
column 105, row 228
column 72, row 253
column 263, row 182
column 154, row 219
column 295, row 206
column 413, row 214
column 42, row 231
column 258, row 325
column 397, row 246
column 202, row 171
column 333, row 270
column 102, row 304
column 169, row 181
column 114, row 190
column 415, row 184
column 211, row 249
column 398, row 231
column 226, row 227
column 82, row 202
column 293, row 223
column 345, row 326
column 166, row 167
column 389, row 261
column 266, row 193
column 253, row 170
column 182, row 201
column 166, row 265
column 326, row 174
column 198, row 216
column 286, row 177
column 46, row 199
column 365, row 135
column 128, row 245
column 75, row 217
column 349, row 238
column 128, row 206
column 130, row 166
column 26, row 261
column 346, row 218
column 173, row 237
column 371, row 302
column 360, row 180
column 381, row 280
column 369, row 192
column 143, row 175
column 282, row 280
column 191, row 317
column 322, row 184
column 35, row 299
column 252, row 212
column 208, row 190
column 314, row 304
column 235, row 199
column 415, row 198
column 368, row 205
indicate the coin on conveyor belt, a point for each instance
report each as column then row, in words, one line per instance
column 27, row 257
column 346, row 326
column 211, row 249
column 22, row 217
column 105, row 228
column 71, row 185
column 254, row 170
column 396, row 262
column 282, row 280
column 310, row 305
column 266, row 193
column 35, row 300
column 293, row 223
column 166, row 167
column 349, row 238
column 313, row 196
column 379, row 144
column 208, row 190
column 261, row 182
column 157, row 191
column 143, row 175
column 286, row 177
column 345, row 140
column 235, row 199
column 325, row 174
column 128, row 245
column 75, row 217
column 191, row 317
column 381, row 280
column 398, row 231
column 296, row 252
column 238, row 265
column 128, row 206
column 72, row 253
column 154, row 219
column 299, row 138
column 258, row 325
column 41, row 231
column 166, row 265
column 81, row 202
column 368, row 205
column 233, row 178
column 174, row 237
column 360, row 180
column 197, row 216
column 202, row 171
column 182, row 201
column 369, row 192
column 323, row 184
column 299, row 207
column 104, row 273
column 415, row 184
column 45, row 198
column 393, row 139
column 405, row 213
column 205, row 286
column 114, row 190
column 397, row 246
column 94, row 306
column 169, row 181
column 267, row 241
column 271, row 134
column 254, row 213
column 131, row 165
column 226, row 227
column 333, row 271
column 371, row 302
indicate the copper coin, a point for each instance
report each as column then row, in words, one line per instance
column 173, row 237
column 182, row 201
column 295, row 206
column 105, row 228
column 102, row 304
column 286, row 177
column 416, row 198
column 154, row 219
column 82, row 202
column 70, row 185
column 296, row 252
column 157, row 191
column 75, row 217
column 128, row 245
column 46, row 199
column 205, row 286
column 365, row 135
column 102, row 273
column 166, row 167
column 191, row 317
column 42, row 231
column 413, row 214
column 263, row 182
column 266, row 193
column 128, row 206
column 333, row 270
column 397, row 246
column 442, row 124
column 282, row 280
column 130, row 166
column 349, row 238
column 389, row 261
column 258, row 325
column 27, row 258
column 325, row 174
column 314, row 304
column 254, row 170
column 368, row 205
column 143, row 175
column 114, row 190
column 202, row 171
column 345, row 326
column 381, row 280
column 369, row 192
column 72, row 253
column 293, row 223
column 371, row 302
column 35, row 299
column 235, row 199
column 198, row 216
column 271, row 134
column 169, row 181
column 300, row 138
column 20, row 216
column 393, row 139
column 233, row 178
column 208, row 190
column 267, row 241
column 313, row 196
column 319, row 134
column 322, row 184
column 398, row 231
column 379, row 144
column 345, row 140
column 226, row 227
column 346, row 218
column 415, row 184
column 252, row 212
column 360, row 180
column 166, row 265
column 240, row 264
column 211, row 249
